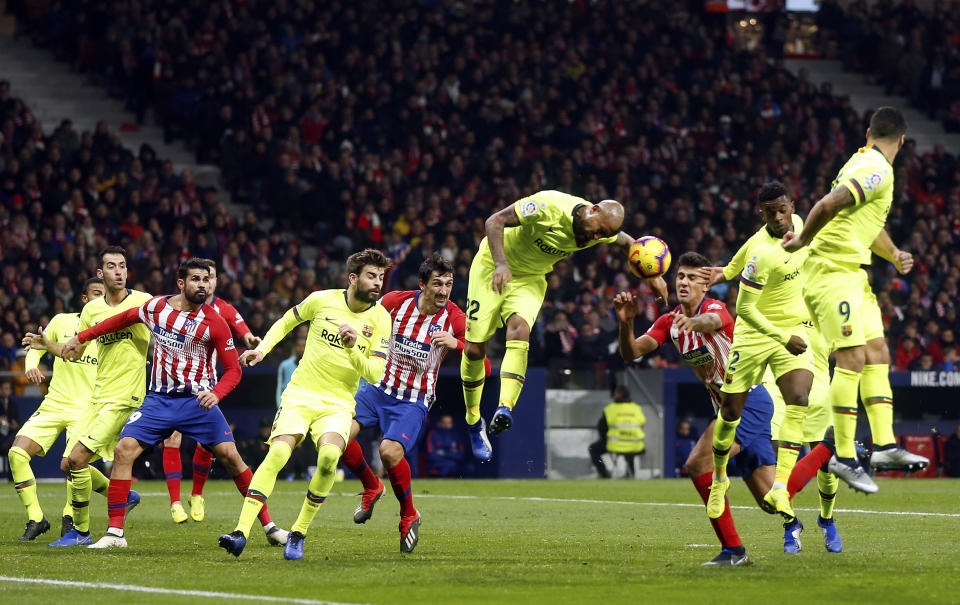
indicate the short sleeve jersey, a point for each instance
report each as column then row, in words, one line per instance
column 847, row 238
column 705, row 352
column 122, row 355
column 545, row 235
column 325, row 368
column 72, row 381
column 778, row 274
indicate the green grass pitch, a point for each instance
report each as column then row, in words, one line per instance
column 597, row 542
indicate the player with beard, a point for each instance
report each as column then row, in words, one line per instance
column 202, row 458
column 426, row 325
column 184, row 390
column 348, row 338
column 507, row 285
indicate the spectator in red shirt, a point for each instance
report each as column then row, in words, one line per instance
column 907, row 351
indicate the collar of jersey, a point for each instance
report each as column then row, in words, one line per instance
column 877, row 149
column 129, row 292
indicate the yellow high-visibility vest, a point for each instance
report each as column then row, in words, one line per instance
column 625, row 422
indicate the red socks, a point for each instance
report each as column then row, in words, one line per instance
column 172, row 471
column 400, row 480
column 353, row 459
column 724, row 527
column 243, row 484
column 202, row 461
column 117, row 495
column 807, row 467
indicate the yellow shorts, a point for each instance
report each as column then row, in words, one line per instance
column 818, row 416
column 843, row 306
column 302, row 412
column 486, row 310
column 750, row 356
column 51, row 418
column 101, row 426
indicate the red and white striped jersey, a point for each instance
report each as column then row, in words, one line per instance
column 706, row 353
column 413, row 361
column 186, row 346
column 230, row 314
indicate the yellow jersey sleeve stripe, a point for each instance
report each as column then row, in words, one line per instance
column 752, row 284
column 859, row 191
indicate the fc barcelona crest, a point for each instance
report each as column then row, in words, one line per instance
column 846, row 330
column 367, row 331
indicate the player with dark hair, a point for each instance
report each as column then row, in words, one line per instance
column 118, row 390
column 202, row 458
column 61, row 410
column 426, row 325
column 841, row 230
column 776, row 343
column 184, row 389
column 348, row 339
column 702, row 330
column 508, row 282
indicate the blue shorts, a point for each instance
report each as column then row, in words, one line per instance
column 399, row 421
column 753, row 434
column 162, row 414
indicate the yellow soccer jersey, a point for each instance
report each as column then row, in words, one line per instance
column 122, row 355
column 72, row 382
column 770, row 286
column 545, row 235
column 327, row 367
column 847, row 238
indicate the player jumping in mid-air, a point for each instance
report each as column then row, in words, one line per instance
column 841, row 230
column 702, row 330
column 202, row 458
column 775, row 305
column 507, row 285
column 348, row 338
column 61, row 410
column 426, row 324
column 769, row 332
column 184, row 390
column 118, row 390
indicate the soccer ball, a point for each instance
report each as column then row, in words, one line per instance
column 649, row 256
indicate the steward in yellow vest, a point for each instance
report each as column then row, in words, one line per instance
column 621, row 432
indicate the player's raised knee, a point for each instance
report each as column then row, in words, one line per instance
column 475, row 350
column 327, row 457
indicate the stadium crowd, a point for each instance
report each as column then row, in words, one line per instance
column 345, row 125
column 912, row 49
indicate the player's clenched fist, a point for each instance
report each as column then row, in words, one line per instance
column 796, row 345
column 348, row 336
column 251, row 358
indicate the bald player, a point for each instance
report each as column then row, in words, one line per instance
column 507, row 285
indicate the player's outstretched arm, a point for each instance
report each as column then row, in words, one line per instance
column 821, row 214
column 631, row 348
column 495, row 225
column 280, row 328
column 111, row 324
column 705, row 322
column 884, row 247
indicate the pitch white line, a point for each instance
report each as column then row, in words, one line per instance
column 166, row 591
column 856, row 511
column 674, row 504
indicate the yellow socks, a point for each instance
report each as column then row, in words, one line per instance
column 80, row 481
column 843, row 398
column 327, row 457
column 261, row 486
column 513, row 371
column 25, row 482
column 877, row 397
column 791, row 436
column 472, row 375
column 828, row 484
column 724, row 432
